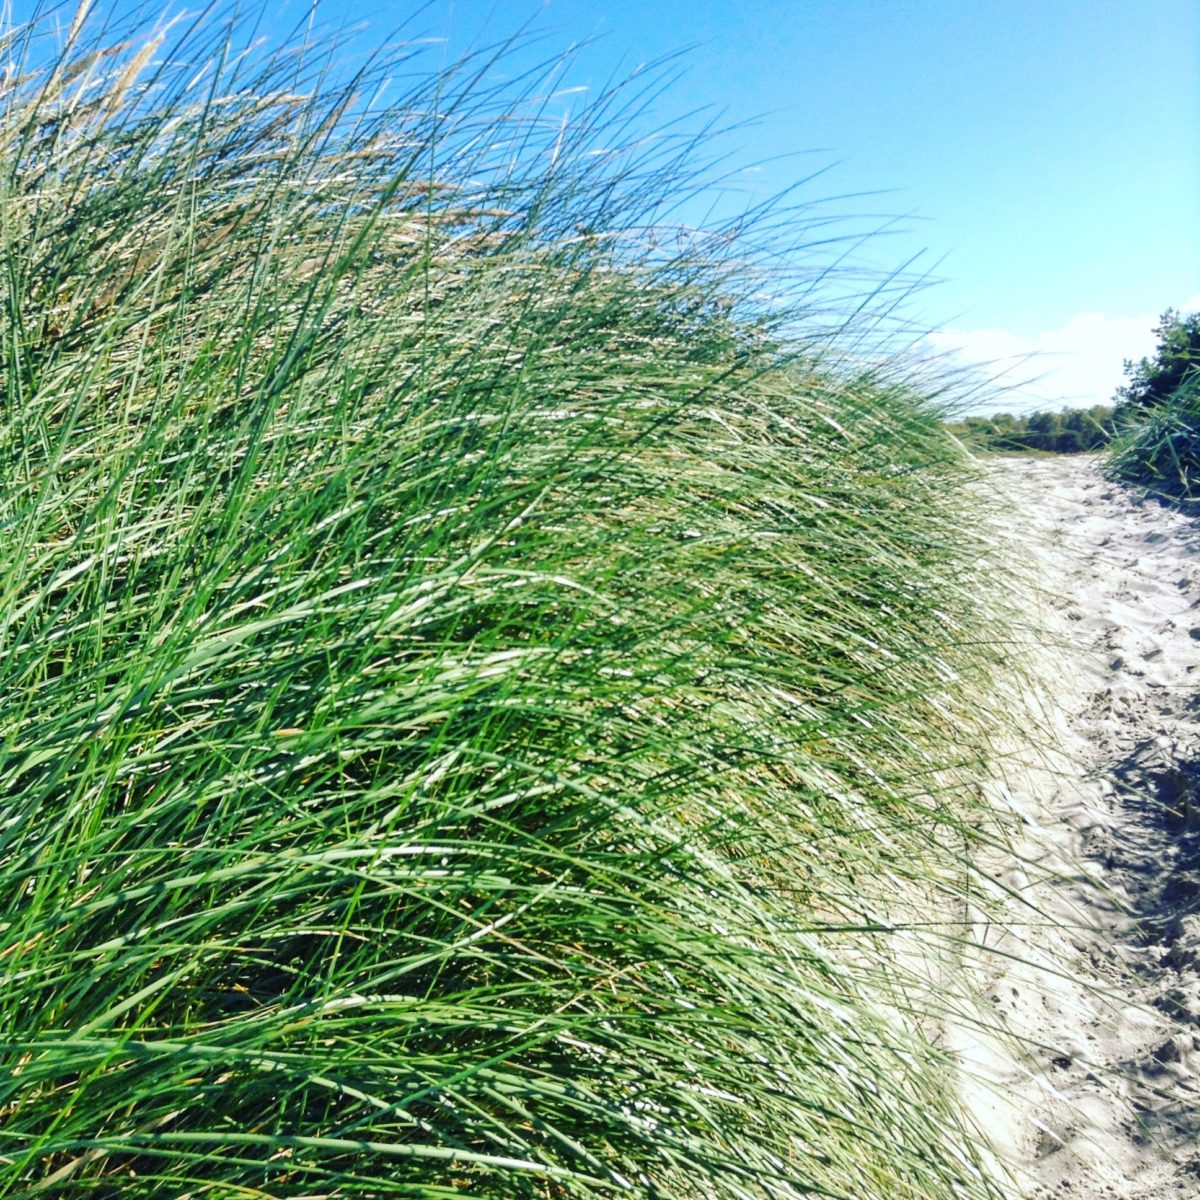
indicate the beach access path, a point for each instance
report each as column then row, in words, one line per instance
column 1095, row 970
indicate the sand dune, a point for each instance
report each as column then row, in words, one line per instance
column 1096, row 1093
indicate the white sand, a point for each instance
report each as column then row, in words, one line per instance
column 1096, row 1094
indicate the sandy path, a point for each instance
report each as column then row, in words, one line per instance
column 1098, row 1095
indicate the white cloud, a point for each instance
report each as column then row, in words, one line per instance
column 1077, row 365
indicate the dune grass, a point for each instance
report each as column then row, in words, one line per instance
column 1159, row 446
column 480, row 697
column 1158, row 414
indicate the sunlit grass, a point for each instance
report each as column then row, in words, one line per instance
column 1159, row 446
column 477, row 692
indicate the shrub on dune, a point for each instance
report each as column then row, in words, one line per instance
column 1158, row 414
column 477, row 691
column 1160, row 446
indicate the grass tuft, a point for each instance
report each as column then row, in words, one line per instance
column 1159, row 446
column 483, row 699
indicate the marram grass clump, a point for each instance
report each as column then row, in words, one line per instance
column 478, row 697
column 1158, row 414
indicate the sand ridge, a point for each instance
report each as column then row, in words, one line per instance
column 1094, row 968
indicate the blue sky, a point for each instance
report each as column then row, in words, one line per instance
column 1041, row 157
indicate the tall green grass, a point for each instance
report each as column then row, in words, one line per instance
column 1158, row 414
column 481, row 699
column 1159, row 446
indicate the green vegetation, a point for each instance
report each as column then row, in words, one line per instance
column 1071, row 431
column 1158, row 412
column 484, row 712
column 1176, row 363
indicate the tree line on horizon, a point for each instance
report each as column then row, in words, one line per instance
column 1070, row 431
